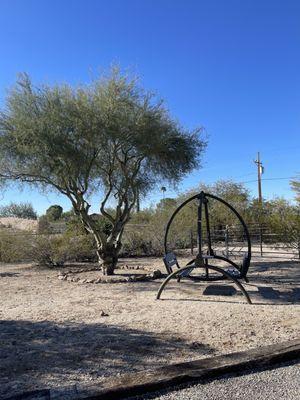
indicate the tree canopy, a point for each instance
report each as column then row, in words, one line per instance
column 54, row 212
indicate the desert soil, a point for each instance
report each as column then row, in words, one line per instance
column 59, row 333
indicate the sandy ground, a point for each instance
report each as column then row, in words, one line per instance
column 52, row 332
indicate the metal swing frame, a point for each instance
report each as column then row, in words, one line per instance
column 235, row 274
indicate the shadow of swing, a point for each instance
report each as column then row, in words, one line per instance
column 260, row 295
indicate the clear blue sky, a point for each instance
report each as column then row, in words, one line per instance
column 232, row 67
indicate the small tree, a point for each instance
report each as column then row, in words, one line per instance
column 110, row 137
column 54, row 212
column 18, row 210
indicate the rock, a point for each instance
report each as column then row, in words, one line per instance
column 103, row 314
column 156, row 274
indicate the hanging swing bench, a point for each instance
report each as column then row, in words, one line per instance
column 234, row 272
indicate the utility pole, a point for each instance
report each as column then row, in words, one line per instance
column 260, row 171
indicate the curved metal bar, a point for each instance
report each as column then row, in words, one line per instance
column 214, row 278
column 244, row 270
column 229, row 262
column 243, row 273
column 215, row 257
column 217, row 269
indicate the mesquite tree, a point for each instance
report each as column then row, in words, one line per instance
column 110, row 137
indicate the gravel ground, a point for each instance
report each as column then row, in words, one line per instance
column 54, row 332
column 278, row 384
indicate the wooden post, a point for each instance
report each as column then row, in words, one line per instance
column 192, row 242
column 226, row 238
column 261, row 240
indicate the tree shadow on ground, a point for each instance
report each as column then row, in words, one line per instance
column 32, row 351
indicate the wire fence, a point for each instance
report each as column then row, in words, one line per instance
column 264, row 242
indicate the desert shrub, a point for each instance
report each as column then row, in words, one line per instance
column 15, row 246
column 44, row 226
column 18, row 210
column 143, row 241
column 81, row 248
column 55, row 250
column 49, row 251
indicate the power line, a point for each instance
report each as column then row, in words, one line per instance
column 271, row 179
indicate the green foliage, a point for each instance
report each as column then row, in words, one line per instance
column 167, row 204
column 54, row 212
column 68, row 215
column 283, row 219
column 18, row 210
column 68, row 136
column 295, row 184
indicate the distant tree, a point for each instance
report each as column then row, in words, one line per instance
column 54, row 212
column 295, row 184
column 18, row 210
column 233, row 193
column 167, row 203
column 283, row 219
column 110, row 137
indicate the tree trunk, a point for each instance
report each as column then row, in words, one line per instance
column 108, row 246
column 108, row 258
